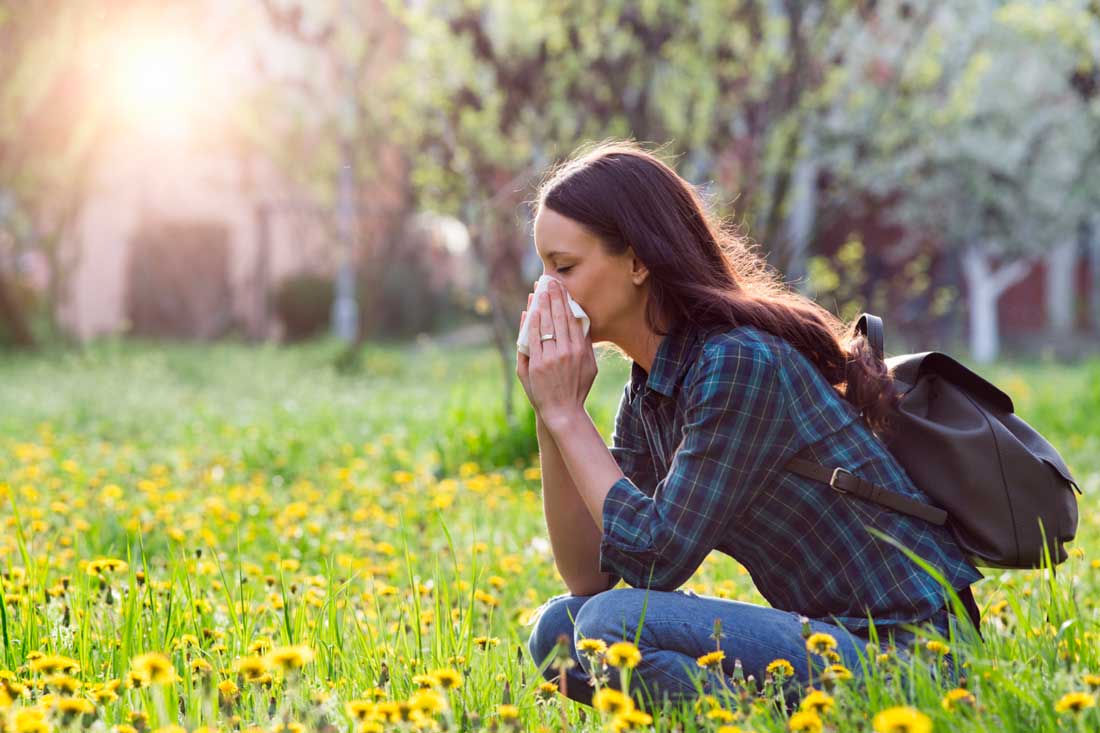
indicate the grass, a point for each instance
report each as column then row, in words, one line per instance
column 296, row 544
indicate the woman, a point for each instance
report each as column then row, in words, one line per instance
column 732, row 375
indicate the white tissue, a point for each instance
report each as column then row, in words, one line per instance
column 540, row 287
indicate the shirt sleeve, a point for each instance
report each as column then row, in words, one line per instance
column 734, row 437
column 630, row 448
column 631, row 451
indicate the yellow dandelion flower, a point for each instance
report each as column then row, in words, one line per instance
column 427, row 701
column 63, row 683
column 721, row 715
column 361, row 710
column 53, row 663
column 546, row 691
column 508, row 712
column 937, row 647
column 592, row 647
column 901, row 719
column 251, row 667
column 292, row 727
column 805, row 721
column 154, row 667
column 612, row 701
column 623, row 654
column 1093, row 681
column 484, row 642
column 817, row 702
column 388, row 710
column 228, row 689
column 260, row 646
column 30, row 720
column 711, row 660
column 105, row 565
column 72, row 706
column 107, row 692
column 837, row 672
column 289, row 658
column 780, row 667
column 819, row 643
column 1075, row 702
column 631, row 720
column 956, row 697
column 135, row 681
column 447, row 678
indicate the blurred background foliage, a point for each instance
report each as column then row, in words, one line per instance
column 931, row 161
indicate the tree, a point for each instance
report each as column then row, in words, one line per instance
column 50, row 129
column 330, row 126
column 982, row 141
column 496, row 89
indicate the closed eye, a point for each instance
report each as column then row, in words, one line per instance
column 565, row 269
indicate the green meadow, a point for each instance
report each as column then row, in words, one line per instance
column 199, row 538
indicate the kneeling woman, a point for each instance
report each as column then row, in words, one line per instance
column 733, row 374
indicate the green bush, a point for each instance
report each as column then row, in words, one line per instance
column 303, row 303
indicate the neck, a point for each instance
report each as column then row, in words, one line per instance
column 639, row 342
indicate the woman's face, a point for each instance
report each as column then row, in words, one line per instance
column 600, row 283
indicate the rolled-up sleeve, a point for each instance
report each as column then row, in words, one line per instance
column 631, row 451
column 734, row 436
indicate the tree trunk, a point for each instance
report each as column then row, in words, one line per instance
column 985, row 285
column 800, row 224
column 1091, row 235
column 1061, row 293
column 12, row 315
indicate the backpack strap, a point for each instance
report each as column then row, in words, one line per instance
column 846, row 482
column 871, row 327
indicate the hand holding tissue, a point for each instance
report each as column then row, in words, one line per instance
column 540, row 287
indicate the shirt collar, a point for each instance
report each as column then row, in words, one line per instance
column 674, row 355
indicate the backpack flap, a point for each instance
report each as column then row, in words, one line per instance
column 958, row 439
column 908, row 368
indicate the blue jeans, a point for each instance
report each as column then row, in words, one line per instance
column 678, row 628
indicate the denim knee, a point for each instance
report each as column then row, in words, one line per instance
column 550, row 621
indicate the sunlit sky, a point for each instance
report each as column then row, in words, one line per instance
column 170, row 76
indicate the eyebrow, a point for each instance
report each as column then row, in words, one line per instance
column 555, row 253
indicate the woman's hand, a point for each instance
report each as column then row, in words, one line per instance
column 523, row 360
column 559, row 373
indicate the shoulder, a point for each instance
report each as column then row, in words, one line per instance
column 738, row 346
column 743, row 356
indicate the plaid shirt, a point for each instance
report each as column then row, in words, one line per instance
column 702, row 440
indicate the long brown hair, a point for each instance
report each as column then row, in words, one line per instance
column 701, row 268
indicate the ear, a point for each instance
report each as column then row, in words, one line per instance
column 638, row 271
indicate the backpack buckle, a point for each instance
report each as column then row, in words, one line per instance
column 832, row 481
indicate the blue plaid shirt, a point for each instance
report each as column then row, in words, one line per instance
column 702, row 440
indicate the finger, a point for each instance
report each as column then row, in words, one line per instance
column 576, row 331
column 547, row 324
column 559, row 317
column 534, row 342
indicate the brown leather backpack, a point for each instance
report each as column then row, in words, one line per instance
column 991, row 477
